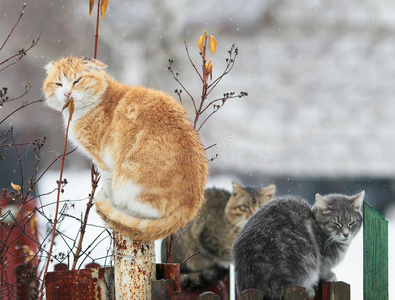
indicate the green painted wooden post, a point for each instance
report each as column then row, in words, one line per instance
column 375, row 256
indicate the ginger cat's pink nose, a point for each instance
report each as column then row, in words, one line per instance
column 67, row 94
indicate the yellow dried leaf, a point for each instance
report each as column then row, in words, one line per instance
column 103, row 8
column 200, row 43
column 70, row 105
column 209, row 69
column 212, row 43
column 91, row 4
column 16, row 187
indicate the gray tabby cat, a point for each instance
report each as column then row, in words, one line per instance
column 214, row 231
column 287, row 243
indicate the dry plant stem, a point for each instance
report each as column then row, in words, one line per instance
column 95, row 181
column 97, row 28
column 56, row 211
column 16, row 24
column 20, row 166
column 21, row 107
column 18, row 56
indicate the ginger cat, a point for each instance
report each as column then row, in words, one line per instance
column 151, row 161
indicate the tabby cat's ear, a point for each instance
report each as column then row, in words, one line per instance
column 357, row 200
column 320, row 202
column 237, row 188
column 48, row 67
column 268, row 191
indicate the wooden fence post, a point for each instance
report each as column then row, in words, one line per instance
column 295, row 293
column 208, row 296
column 252, row 294
column 375, row 256
column 337, row 290
column 134, row 267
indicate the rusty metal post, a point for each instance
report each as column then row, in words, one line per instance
column 134, row 267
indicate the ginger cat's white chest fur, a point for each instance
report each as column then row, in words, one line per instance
column 150, row 158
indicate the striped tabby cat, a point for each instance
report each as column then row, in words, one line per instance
column 213, row 232
column 288, row 243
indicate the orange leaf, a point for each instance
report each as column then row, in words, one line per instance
column 16, row 187
column 212, row 43
column 200, row 43
column 91, row 4
column 103, row 8
column 70, row 105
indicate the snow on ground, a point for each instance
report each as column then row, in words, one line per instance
column 79, row 186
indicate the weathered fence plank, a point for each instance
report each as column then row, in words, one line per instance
column 162, row 289
column 295, row 293
column 252, row 294
column 375, row 256
column 208, row 296
column 169, row 271
column 335, row 291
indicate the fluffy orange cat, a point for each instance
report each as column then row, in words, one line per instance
column 151, row 161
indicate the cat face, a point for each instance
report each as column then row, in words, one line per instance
column 79, row 78
column 245, row 201
column 338, row 216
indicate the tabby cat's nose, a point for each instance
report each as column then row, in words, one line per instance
column 67, row 94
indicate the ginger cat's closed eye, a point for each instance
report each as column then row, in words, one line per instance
column 151, row 161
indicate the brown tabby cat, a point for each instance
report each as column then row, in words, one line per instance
column 150, row 158
column 214, row 231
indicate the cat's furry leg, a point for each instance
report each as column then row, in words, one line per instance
column 328, row 276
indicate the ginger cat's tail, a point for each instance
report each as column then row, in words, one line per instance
column 141, row 229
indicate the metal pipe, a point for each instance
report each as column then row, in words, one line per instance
column 134, row 267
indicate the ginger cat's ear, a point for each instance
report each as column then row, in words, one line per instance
column 93, row 64
column 48, row 67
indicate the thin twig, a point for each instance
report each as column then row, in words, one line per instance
column 21, row 107
column 56, row 210
column 95, row 180
column 19, row 55
column 16, row 24
column 97, row 28
column 179, row 82
column 20, row 193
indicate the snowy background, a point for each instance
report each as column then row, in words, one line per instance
column 320, row 112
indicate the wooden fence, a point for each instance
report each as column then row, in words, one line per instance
column 375, row 266
column 167, row 285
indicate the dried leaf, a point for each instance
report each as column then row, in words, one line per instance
column 209, row 69
column 103, row 8
column 91, row 4
column 212, row 43
column 16, row 187
column 200, row 43
column 70, row 105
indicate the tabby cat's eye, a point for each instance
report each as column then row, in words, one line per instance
column 58, row 84
column 351, row 224
column 337, row 225
column 78, row 80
